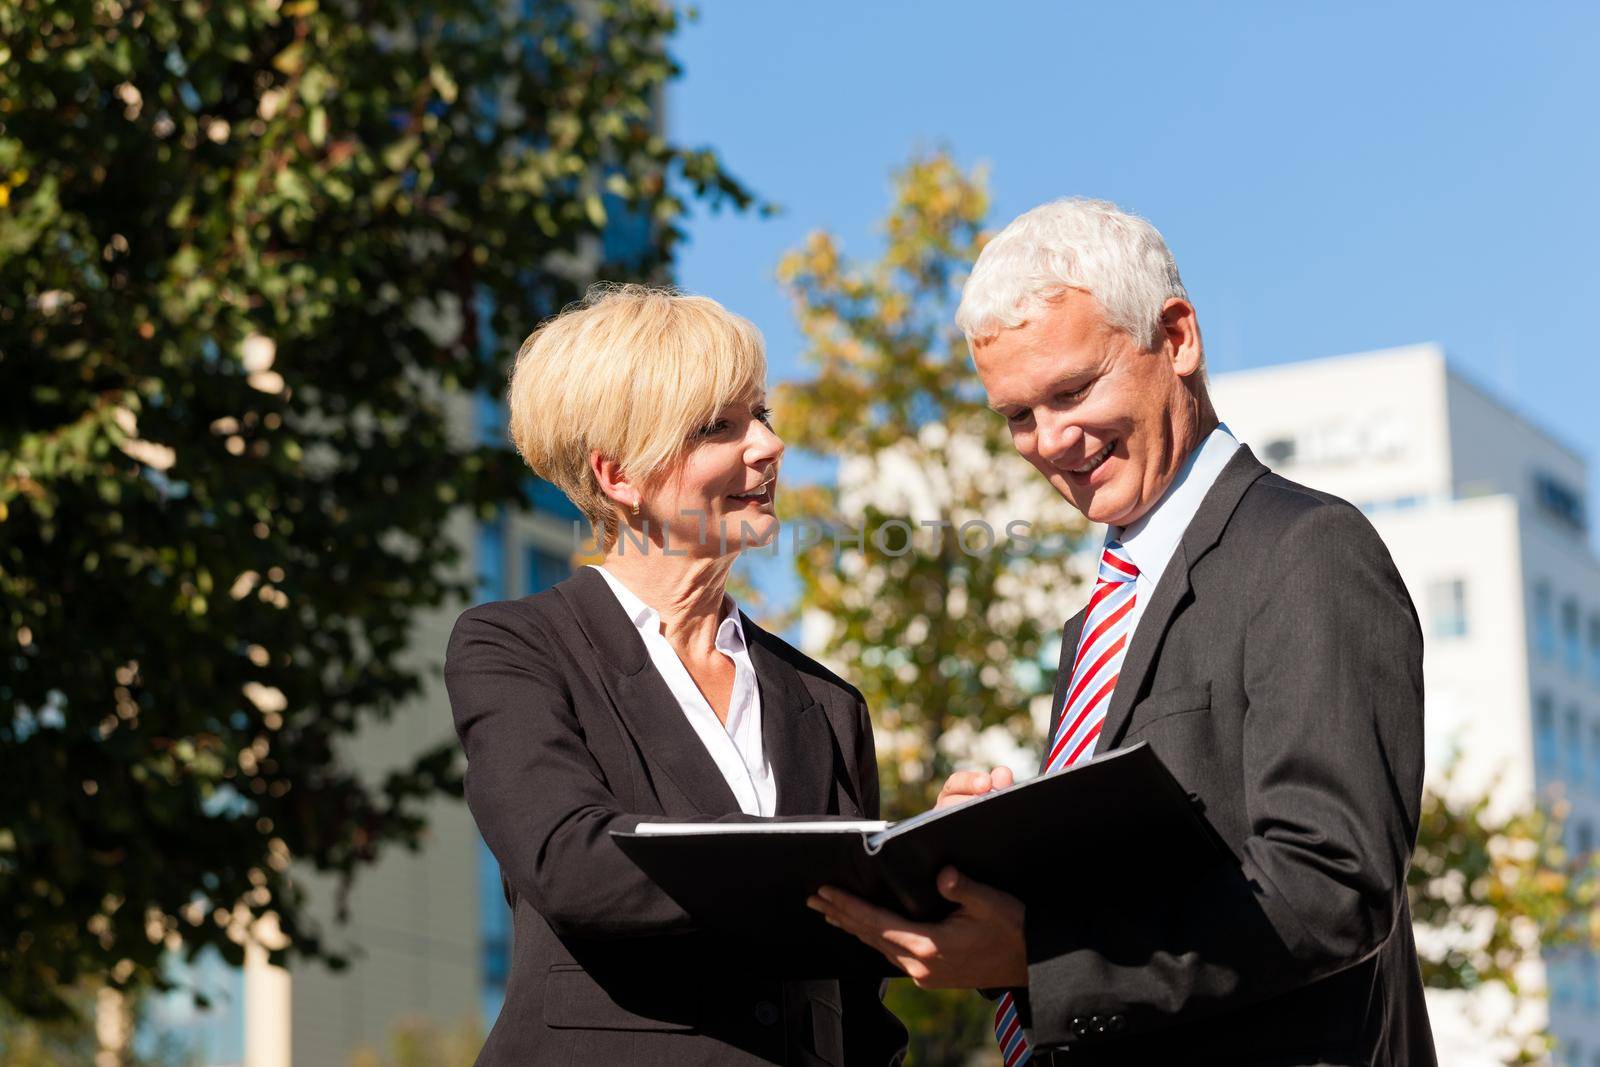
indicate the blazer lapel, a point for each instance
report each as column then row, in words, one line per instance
column 794, row 730
column 649, row 711
column 1204, row 531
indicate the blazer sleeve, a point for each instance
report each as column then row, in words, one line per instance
column 1332, row 779
column 538, row 795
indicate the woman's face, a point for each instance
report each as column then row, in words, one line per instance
column 719, row 500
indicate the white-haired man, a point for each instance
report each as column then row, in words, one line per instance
column 1256, row 633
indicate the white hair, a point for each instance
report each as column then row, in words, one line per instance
column 1073, row 243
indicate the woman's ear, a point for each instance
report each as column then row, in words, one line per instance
column 613, row 481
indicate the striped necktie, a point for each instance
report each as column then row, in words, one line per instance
column 1102, row 644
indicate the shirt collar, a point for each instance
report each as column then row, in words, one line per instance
column 1152, row 540
column 647, row 620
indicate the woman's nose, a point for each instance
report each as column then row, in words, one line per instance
column 764, row 445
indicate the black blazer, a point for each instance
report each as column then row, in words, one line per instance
column 1277, row 671
column 570, row 732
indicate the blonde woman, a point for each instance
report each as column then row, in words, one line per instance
column 637, row 689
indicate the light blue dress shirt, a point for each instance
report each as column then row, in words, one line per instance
column 1152, row 540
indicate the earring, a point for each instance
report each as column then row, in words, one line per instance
column 636, row 507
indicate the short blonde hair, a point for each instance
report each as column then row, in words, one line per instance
column 632, row 371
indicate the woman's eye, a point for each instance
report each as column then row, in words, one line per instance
column 712, row 428
column 764, row 414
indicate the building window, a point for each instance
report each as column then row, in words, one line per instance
column 492, row 560
column 1583, row 840
column 542, row 569
column 548, row 499
column 1574, row 746
column 1571, row 645
column 1544, row 735
column 1544, row 621
column 1279, row 452
column 1591, row 982
column 1560, row 501
column 494, row 936
column 1594, row 649
column 1594, row 754
column 1447, row 608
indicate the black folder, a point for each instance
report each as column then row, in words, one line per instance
column 1103, row 829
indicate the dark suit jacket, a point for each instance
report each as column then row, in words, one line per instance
column 1277, row 671
column 570, row 732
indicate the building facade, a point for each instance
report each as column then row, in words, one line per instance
column 1485, row 516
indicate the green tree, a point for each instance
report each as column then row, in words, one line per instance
column 946, row 634
column 252, row 255
column 946, row 617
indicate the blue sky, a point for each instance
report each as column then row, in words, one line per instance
column 1331, row 179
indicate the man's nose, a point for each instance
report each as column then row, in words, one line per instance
column 1059, row 437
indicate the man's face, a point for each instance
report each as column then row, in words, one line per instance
column 1107, row 423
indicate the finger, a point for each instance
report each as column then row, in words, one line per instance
column 963, row 786
column 1002, row 778
column 868, row 933
column 973, row 895
column 966, row 783
column 853, row 909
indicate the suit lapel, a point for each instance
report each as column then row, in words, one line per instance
column 1204, row 531
column 649, row 711
column 794, row 731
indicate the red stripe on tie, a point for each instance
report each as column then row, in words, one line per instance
column 1005, row 1036
column 1088, row 739
column 1108, row 622
column 1089, row 674
column 1093, row 703
column 1126, row 568
column 1102, row 590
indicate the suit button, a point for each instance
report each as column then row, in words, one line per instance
column 1117, row 1023
column 766, row 1013
column 1080, row 1025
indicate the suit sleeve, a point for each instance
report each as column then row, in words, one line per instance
column 872, row 1033
column 1332, row 778
column 536, row 792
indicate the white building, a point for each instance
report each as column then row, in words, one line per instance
column 1485, row 516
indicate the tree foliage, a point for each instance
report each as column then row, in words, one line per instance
column 251, row 253
column 946, row 619
column 1491, row 892
column 946, row 635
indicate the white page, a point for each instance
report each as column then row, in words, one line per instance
column 863, row 826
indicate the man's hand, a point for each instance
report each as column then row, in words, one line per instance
column 964, row 785
column 980, row 945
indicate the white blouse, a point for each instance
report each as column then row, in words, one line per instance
column 736, row 748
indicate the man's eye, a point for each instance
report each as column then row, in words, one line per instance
column 1073, row 394
column 1017, row 418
